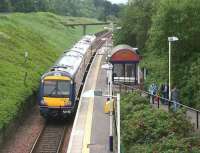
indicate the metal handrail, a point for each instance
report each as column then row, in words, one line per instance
column 169, row 101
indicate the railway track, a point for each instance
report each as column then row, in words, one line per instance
column 51, row 138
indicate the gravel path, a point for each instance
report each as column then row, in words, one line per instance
column 26, row 134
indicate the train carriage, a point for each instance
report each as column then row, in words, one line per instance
column 60, row 86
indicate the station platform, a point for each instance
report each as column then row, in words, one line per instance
column 90, row 133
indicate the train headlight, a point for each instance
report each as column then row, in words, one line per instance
column 42, row 102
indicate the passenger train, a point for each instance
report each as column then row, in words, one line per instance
column 59, row 87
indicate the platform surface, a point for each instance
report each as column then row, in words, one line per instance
column 90, row 133
column 100, row 123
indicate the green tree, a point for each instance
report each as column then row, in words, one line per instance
column 182, row 20
column 87, row 8
column 135, row 22
column 148, row 23
column 5, row 6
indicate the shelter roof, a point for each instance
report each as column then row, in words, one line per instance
column 124, row 53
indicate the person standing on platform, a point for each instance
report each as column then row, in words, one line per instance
column 165, row 92
column 175, row 98
column 152, row 90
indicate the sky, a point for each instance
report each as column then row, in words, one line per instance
column 118, row 1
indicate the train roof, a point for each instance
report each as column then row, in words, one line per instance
column 70, row 61
column 81, row 48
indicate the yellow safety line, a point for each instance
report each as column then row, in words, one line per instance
column 88, row 126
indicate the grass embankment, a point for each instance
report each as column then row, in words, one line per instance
column 44, row 37
column 148, row 130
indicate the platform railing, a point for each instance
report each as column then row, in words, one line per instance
column 115, row 134
column 156, row 100
column 114, row 146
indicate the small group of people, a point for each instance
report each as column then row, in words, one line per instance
column 163, row 92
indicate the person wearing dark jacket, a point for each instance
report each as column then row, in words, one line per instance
column 165, row 92
column 175, row 98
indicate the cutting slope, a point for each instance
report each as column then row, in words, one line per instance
column 44, row 37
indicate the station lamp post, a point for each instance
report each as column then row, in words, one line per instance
column 107, row 49
column 170, row 40
column 112, row 28
column 94, row 93
column 108, row 67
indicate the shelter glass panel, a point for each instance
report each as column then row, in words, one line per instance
column 118, row 70
column 129, row 70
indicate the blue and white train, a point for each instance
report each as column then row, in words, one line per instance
column 59, row 87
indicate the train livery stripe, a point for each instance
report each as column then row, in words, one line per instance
column 56, row 102
column 57, row 78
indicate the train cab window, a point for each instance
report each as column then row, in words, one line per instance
column 49, row 87
column 56, row 88
column 63, row 88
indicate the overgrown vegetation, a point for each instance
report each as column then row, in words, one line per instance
column 148, row 130
column 148, row 23
column 44, row 37
column 100, row 9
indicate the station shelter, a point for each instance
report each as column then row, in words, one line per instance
column 125, row 61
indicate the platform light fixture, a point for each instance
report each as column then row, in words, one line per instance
column 112, row 28
column 170, row 40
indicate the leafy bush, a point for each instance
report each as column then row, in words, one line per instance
column 146, row 129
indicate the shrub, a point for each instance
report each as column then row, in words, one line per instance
column 146, row 129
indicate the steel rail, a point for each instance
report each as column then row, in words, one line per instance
column 50, row 139
column 36, row 140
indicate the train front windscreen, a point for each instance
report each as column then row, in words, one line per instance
column 57, row 88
